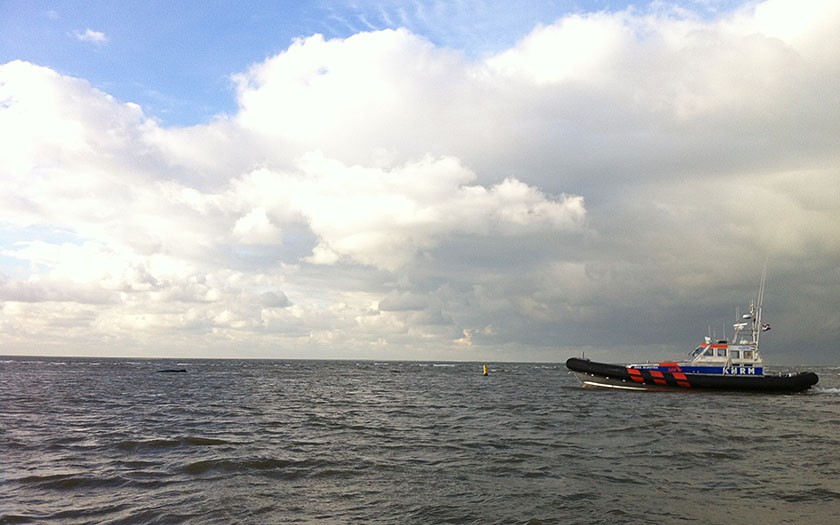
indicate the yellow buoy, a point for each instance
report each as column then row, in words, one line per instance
column 485, row 370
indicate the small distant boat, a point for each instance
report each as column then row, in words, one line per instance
column 730, row 365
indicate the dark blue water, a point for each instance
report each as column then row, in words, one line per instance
column 116, row 441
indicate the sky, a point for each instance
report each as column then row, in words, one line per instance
column 424, row 180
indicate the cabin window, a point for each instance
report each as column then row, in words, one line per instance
column 709, row 352
column 697, row 351
column 748, row 354
column 721, row 352
column 735, row 354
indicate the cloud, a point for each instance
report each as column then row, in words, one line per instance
column 385, row 218
column 309, row 97
column 256, row 228
column 603, row 183
column 89, row 35
column 149, row 241
column 53, row 291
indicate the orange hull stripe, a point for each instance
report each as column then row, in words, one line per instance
column 636, row 375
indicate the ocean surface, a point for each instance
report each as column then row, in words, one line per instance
column 117, row 441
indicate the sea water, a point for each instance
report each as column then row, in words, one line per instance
column 118, row 441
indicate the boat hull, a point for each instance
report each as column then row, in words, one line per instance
column 604, row 375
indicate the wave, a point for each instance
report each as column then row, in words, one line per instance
column 185, row 441
column 72, row 481
column 14, row 518
column 815, row 495
column 831, row 390
column 276, row 468
column 289, row 468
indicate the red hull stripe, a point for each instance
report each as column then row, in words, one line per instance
column 636, row 375
column 658, row 377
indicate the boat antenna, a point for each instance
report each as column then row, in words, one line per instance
column 757, row 313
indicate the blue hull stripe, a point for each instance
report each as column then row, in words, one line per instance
column 711, row 370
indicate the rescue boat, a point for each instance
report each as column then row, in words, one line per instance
column 733, row 364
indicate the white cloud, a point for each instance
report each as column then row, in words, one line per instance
column 387, row 217
column 378, row 196
column 256, row 228
column 574, row 49
column 89, row 35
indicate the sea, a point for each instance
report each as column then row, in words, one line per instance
column 86, row 440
